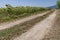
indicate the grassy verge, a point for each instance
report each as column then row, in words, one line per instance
column 54, row 33
column 11, row 13
column 17, row 30
column 14, row 17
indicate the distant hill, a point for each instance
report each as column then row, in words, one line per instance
column 53, row 6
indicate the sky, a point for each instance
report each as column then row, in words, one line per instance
column 39, row 3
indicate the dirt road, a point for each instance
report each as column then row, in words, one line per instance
column 11, row 24
column 54, row 33
column 39, row 30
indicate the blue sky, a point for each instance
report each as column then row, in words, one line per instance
column 42, row 3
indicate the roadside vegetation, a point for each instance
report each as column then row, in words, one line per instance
column 9, row 13
column 17, row 30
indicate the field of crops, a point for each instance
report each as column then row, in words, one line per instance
column 10, row 13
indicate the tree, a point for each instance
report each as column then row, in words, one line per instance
column 9, row 8
column 58, row 3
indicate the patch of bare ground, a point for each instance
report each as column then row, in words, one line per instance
column 54, row 33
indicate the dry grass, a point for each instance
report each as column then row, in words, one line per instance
column 17, row 30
